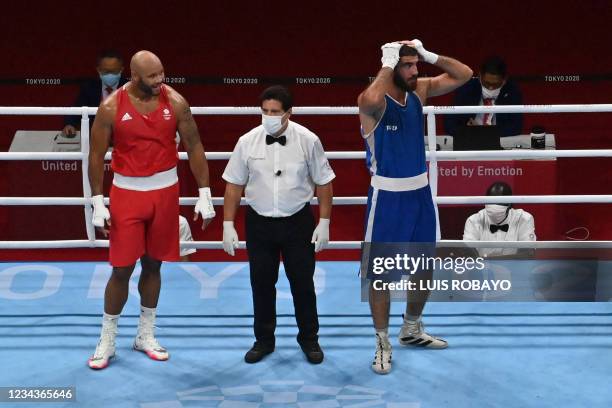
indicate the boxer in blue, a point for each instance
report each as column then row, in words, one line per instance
column 400, row 205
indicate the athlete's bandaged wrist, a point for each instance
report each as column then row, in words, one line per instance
column 98, row 200
column 204, row 192
column 204, row 205
column 390, row 55
column 427, row 56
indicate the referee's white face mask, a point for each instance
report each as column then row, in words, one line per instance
column 271, row 123
column 497, row 213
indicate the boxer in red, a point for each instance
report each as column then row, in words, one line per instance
column 142, row 118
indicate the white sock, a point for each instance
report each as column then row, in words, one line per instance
column 384, row 338
column 147, row 319
column 383, row 334
column 147, row 312
column 412, row 324
column 409, row 319
column 109, row 325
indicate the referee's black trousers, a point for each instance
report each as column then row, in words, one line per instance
column 266, row 240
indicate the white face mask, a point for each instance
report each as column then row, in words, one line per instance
column 496, row 212
column 488, row 93
column 272, row 124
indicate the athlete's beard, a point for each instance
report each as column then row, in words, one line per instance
column 402, row 84
column 146, row 89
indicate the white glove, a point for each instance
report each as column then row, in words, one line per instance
column 320, row 236
column 100, row 212
column 230, row 237
column 390, row 54
column 427, row 56
column 204, row 204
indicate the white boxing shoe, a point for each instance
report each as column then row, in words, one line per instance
column 382, row 358
column 413, row 334
column 147, row 343
column 105, row 351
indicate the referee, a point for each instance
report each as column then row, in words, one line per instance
column 280, row 165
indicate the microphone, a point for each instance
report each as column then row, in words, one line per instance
column 278, row 172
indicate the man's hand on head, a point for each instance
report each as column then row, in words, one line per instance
column 424, row 55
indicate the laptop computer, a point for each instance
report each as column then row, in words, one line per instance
column 477, row 138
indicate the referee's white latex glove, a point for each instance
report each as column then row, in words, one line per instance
column 204, row 206
column 230, row 237
column 100, row 212
column 427, row 56
column 320, row 236
column 390, row 54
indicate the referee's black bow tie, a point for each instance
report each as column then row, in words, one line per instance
column 282, row 140
column 495, row 228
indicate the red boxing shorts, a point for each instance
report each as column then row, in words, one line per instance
column 144, row 222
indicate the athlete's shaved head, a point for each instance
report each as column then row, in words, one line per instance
column 143, row 60
column 147, row 72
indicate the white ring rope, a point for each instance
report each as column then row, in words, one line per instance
column 480, row 155
column 327, row 110
column 445, row 243
column 435, row 156
column 455, row 200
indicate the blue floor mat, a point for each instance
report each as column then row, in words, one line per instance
column 499, row 355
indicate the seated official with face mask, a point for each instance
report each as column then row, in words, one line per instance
column 109, row 67
column 500, row 222
column 492, row 87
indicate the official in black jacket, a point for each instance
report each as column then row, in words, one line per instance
column 109, row 67
column 491, row 87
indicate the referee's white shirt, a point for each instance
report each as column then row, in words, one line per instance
column 521, row 227
column 301, row 162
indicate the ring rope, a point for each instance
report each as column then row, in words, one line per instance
column 430, row 111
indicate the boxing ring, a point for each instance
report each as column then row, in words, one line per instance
column 433, row 157
column 545, row 354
